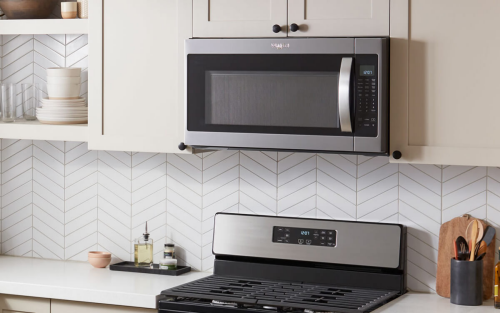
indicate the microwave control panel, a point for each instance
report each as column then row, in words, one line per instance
column 366, row 96
column 305, row 236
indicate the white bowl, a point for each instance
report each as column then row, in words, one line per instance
column 57, row 80
column 64, row 71
column 63, row 91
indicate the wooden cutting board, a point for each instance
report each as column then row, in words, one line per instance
column 447, row 235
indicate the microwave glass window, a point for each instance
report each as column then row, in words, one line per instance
column 272, row 98
column 366, row 70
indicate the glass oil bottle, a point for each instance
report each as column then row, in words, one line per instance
column 143, row 250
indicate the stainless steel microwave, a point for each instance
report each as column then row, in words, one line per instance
column 304, row 94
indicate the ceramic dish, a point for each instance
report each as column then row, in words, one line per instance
column 65, row 115
column 47, row 100
column 63, row 91
column 63, row 80
column 64, row 119
column 64, row 71
column 64, row 106
column 52, row 122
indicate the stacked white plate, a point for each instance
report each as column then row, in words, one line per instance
column 63, row 106
column 71, row 111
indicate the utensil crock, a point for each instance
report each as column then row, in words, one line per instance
column 466, row 285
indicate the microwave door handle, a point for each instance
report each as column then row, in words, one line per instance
column 344, row 95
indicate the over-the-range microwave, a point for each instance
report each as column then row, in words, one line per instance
column 304, row 94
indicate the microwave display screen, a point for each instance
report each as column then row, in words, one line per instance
column 366, row 70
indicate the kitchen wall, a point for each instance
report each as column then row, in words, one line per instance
column 60, row 200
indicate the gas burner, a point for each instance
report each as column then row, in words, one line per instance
column 223, row 303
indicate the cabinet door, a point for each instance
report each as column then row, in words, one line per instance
column 59, row 306
column 137, row 57
column 17, row 304
column 239, row 18
column 444, row 81
column 339, row 18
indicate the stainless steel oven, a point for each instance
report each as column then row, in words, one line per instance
column 305, row 94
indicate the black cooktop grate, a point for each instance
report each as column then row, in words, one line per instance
column 282, row 294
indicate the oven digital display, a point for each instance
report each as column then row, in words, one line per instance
column 366, row 70
column 305, row 236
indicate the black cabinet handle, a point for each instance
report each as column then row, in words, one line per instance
column 276, row 28
column 294, row 27
column 182, row 146
column 397, row 155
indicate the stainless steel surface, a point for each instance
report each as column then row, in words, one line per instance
column 345, row 95
column 364, row 244
column 377, row 46
column 297, row 46
column 270, row 46
column 269, row 141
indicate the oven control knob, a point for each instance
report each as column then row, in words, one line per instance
column 294, row 27
column 182, row 146
column 397, row 155
column 276, row 28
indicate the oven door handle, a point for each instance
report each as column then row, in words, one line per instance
column 344, row 101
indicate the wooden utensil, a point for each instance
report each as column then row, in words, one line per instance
column 482, row 248
column 456, row 249
column 480, row 232
column 480, row 257
column 473, row 238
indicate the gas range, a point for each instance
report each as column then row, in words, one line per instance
column 282, row 264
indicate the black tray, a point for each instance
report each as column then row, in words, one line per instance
column 130, row 267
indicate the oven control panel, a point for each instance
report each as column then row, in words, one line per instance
column 366, row 96
column 305, row 236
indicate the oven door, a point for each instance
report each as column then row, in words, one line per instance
column 293, row 94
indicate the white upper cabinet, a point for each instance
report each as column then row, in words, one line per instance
column 444, row 81
column 239, row 18
column 136, row 81
column 338, row 18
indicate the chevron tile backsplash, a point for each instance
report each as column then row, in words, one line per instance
column 60, row 200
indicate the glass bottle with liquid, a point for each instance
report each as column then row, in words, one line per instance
column 143, row 250
column 497, row 282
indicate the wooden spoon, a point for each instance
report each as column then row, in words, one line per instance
column 480, row 232
column 473, row 239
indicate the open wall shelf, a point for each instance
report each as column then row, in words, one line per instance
column 47, row 26
column 35, row 130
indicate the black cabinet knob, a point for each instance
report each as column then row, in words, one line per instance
column 182, row 146
column 294, row 27
column 276, row 28
column 397, row 155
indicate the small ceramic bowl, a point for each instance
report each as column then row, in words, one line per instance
column 63, row 91
column 99, row 254
column 63, row 80
column 99, row 262
column 99, row 259
column 64, row 71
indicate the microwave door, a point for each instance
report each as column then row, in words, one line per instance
column 270, row 100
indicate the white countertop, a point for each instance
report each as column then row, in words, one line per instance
column 79, row 281
column 430, row 303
